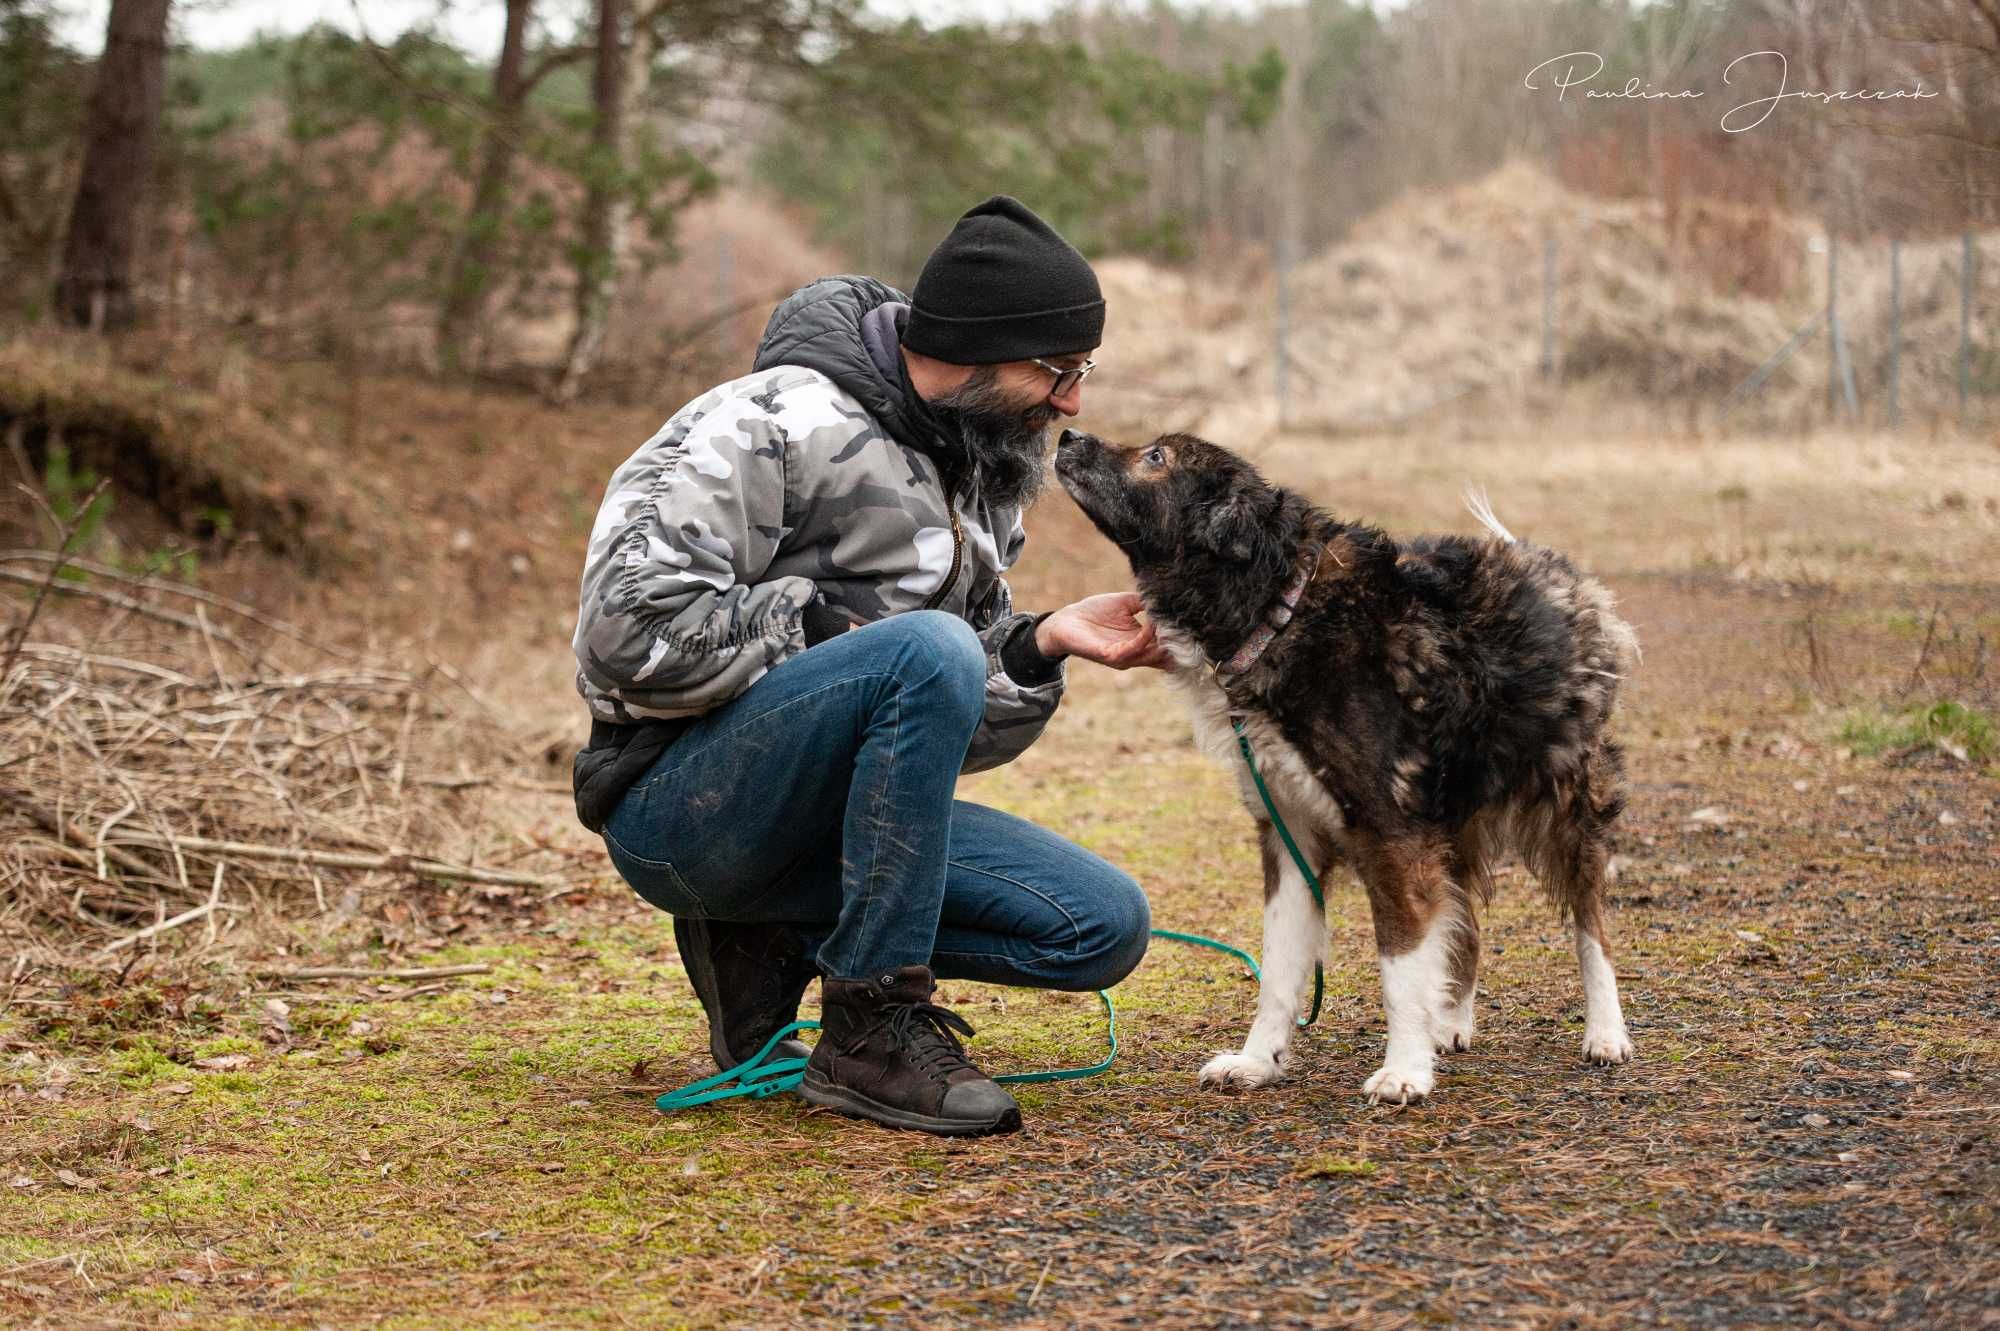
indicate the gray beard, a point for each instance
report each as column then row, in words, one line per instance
column 1009, row 448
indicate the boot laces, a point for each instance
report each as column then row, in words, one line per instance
column 925, row 1031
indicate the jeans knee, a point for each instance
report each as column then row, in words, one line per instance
column 945, row 657
column 1114, row 935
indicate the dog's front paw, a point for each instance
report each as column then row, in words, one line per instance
column 1399, row 1083
column 1607, row 1046
column 1244, row 1072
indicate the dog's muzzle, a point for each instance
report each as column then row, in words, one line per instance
column 1074, row 449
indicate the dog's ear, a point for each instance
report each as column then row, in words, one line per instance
column 1234, row 526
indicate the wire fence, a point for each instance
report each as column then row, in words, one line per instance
column 1799, row 328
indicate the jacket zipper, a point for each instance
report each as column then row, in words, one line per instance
column 957, row 555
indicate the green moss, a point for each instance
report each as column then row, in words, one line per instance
column 1946, row 725
column 1334, row 1166
column 142, row 1064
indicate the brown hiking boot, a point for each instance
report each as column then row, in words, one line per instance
column 750, row 978
column 888, row 1054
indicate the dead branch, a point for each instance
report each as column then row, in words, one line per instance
column 361, row 973
column 70, row 835
column 132, row 605
column 213, row 903
column 67, row 535
column 326, row 859
column 197, row 594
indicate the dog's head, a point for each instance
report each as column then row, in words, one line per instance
column 1181, row 505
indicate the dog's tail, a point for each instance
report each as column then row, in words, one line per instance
column 1482, row 509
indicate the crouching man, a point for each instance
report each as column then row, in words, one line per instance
column 795, row 635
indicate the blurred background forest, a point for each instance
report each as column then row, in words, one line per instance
column 556, row 192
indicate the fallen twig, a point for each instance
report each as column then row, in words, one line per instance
column 48, row 580
column 503, row 782
column 73, row 656
column 361, row 973
column 326, row 859
column 213, row 903
column 133, row 605
column 196, row 594
column 66, row 833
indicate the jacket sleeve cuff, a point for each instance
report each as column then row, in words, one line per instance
column 820, row 621
column 1022, row 660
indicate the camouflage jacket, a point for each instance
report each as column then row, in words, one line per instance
column 818, row 474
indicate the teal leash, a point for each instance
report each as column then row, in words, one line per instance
column 1298, row 858
column 758, row 1079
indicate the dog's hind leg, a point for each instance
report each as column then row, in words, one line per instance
column 1294, row 938
column 1605, row 1039
column 1571, row 857
column 1421, row 916
column 1453, row 1024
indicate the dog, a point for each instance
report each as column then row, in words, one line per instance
column 1415, row 709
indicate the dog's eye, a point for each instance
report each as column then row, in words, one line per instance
column 1156, row 456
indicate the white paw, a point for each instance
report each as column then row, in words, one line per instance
column 1240, row 1071
column 1451, row 1029
column 1607, row 1046
column 1399, row 1083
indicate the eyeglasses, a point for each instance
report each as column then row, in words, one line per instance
column 1066, row 379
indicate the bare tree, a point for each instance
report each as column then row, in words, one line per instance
column 620, row 81
column 94, row 288
column 475, row 256
column 470, row 273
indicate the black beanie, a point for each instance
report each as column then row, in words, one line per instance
column 1004, row 286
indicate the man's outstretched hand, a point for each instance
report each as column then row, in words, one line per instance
column 1106, row 629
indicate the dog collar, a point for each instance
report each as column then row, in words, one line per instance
column 1276, row 616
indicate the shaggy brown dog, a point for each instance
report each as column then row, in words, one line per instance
column 1416, row 708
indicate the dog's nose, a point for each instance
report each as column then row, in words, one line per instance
column 1071, row 437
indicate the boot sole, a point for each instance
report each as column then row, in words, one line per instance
column 853, row 1104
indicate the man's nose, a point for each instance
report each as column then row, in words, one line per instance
column 1070, row 403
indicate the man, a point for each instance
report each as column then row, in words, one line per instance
column 795, row 634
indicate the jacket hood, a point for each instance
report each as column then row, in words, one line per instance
column 849, row 328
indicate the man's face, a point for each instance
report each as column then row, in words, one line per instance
column 1031, row 383
column 1004, row 413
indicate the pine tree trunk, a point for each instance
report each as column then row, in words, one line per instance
column 623, row 75
column 94, row 288
column 470, row 275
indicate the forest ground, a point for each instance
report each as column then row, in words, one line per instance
column 1806, row 927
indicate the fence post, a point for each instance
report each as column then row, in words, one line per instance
column 725, row 281
column 1840, row 366
column 1846, row 359
column 1549, row 306
column 1895, row 333
column 1281, row 370
column 1832, row 321
column 1965, row 331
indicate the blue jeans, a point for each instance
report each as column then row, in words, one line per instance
column 821, row 798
